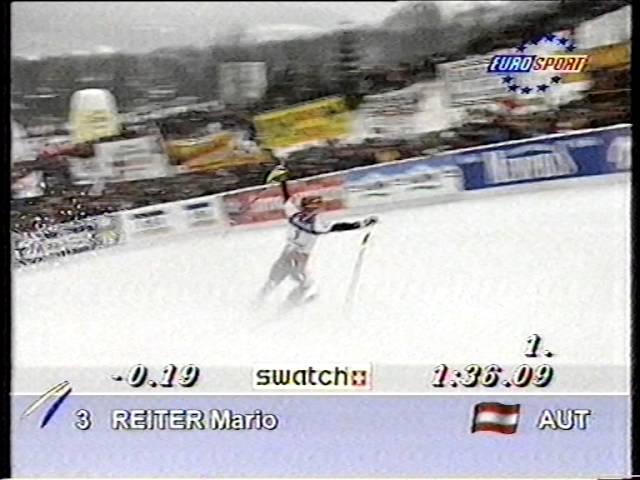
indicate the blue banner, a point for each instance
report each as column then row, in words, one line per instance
column 575, row 155
column 594, row 152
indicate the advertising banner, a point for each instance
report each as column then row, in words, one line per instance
column 411, row 181
column 254, row 206
column 468, row 84
column 66, row 239
column 266, row 204
column 86, row 171
column 134, row 159
column 311, row 122
column 183, row 150
column 589, row 153
column 201, row 213
column 121, row 161
column 153, row 220
column 611, row 56
column 392, row 114
column 213, row 152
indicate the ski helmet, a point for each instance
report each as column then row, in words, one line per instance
column 311, row 201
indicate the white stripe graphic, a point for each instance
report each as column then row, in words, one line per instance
column 499, row 418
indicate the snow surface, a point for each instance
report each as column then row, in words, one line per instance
column 452, row 281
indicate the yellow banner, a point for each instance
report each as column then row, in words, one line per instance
column 600, row 58
column 316, row 121
column 208, row 163
column 212, row 153
column 609, row 57
column 93, row 125
column 183, row 150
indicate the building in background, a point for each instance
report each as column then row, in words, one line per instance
column 242, row 83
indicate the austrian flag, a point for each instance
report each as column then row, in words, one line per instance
column 495, row 417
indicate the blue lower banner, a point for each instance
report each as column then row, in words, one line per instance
column 322, row 436
column 577, row 154
column 600, row 152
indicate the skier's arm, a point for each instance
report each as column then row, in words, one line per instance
column 279, row 175
column 344, row 226
column 285, row 191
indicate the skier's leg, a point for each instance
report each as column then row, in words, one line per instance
column 279, row 271
column 301, row 276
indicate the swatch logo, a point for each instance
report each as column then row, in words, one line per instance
column 317, row 377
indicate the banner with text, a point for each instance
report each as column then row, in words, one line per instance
column 468, row 84
column 266, row 204
column 66, row 239
column 562, row 156
column 391, row 115
column 411, row 181
column 321, row 120
column 121, row 161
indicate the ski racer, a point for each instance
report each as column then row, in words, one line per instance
column 304, row 229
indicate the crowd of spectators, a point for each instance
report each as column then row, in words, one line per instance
column 606, row 103
column 65, row 201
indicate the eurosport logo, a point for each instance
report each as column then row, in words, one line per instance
column 539, row 63
column 559, row 61
column 355, row 377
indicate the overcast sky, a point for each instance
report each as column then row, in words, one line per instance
column 52, row 28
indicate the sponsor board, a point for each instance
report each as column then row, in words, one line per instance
column 149, row 221
column 335, row 377
column 86, row 171
column 174, row 218
column 66, row 239
column 211, row 145
column 253, row 206
column 213, row 152
column 411, row 180
column 320, row 120
column 611, row 56
column 468, row 84
column 209, row 163
column 590, row 153
column 121, row 161
column 391, row 114
column 201, row 213
column 619, row 153
column 266, row 204
column 134, row 159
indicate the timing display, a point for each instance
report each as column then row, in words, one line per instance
column 493, row 375
column 171, row 376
